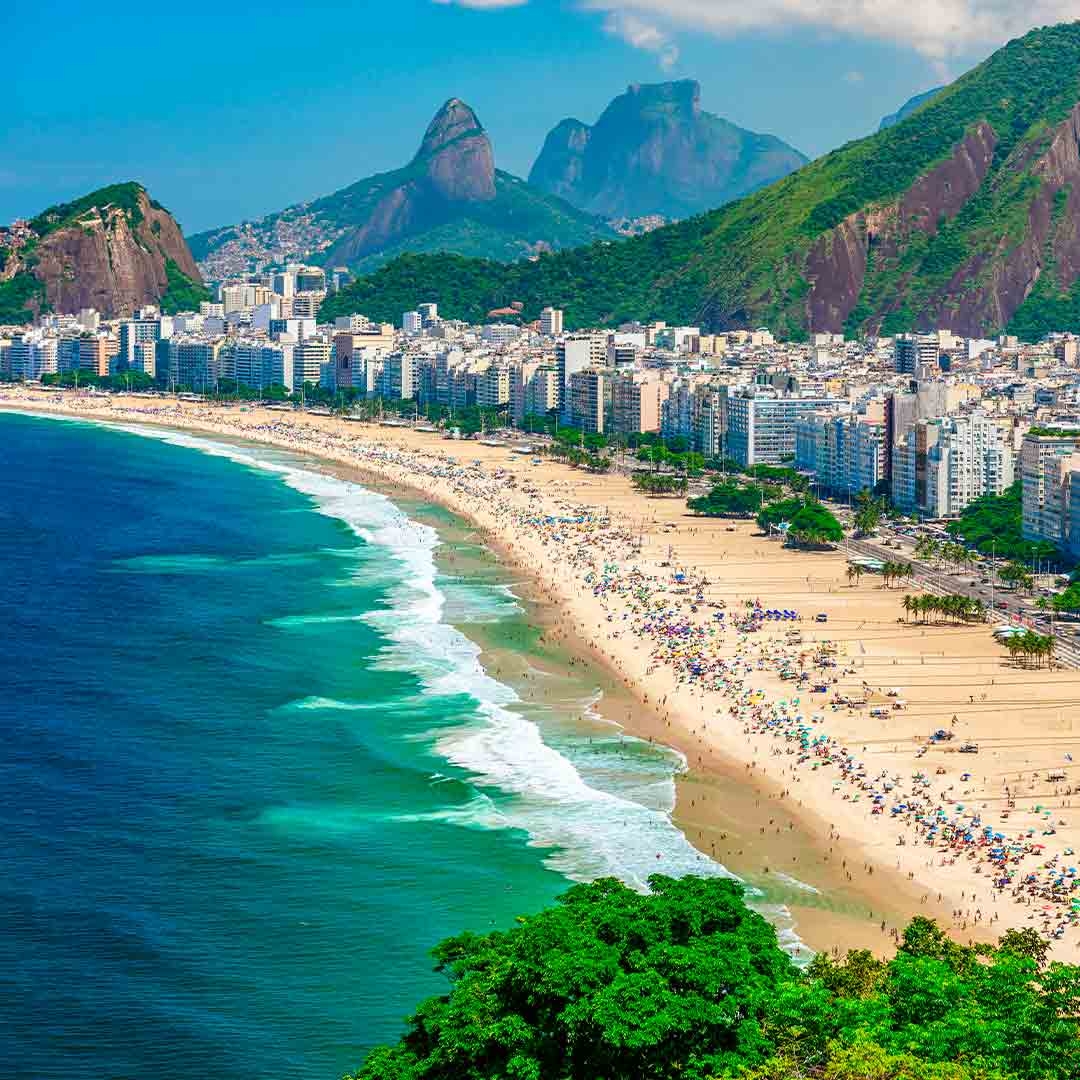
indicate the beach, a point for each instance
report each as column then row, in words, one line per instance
column 807, row 741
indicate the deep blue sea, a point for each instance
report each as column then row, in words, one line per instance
column 251, row 770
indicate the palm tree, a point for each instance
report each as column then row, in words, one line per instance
column 909, row 603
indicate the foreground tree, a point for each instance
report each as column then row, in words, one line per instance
column 687, row 983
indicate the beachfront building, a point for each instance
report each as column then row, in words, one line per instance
column 590, row 400
column 943, row 464
column 844, row 451
column 412, row 322
column 677, row 409
column 32, row 355
column 761, row 424
column 493, row 387
column 311, row 363
column 967, row 457
column 193, row 362
column 89, row 353
column 259, row 364
column 399, row 377
column 636, row 399
column 574, row 354
column 1045, row 475
column 534, row 390
column 708, row 418
column 146, row 329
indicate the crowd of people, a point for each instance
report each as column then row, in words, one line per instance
column 760, row 670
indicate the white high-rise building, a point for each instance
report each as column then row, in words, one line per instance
column 412, row 322
column 576, row 354
column 311, row 358
column 551, row 321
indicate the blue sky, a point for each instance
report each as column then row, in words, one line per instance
column 228, row 111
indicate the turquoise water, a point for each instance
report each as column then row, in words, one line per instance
column 252, row 768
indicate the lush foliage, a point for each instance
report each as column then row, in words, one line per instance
column 660, row 483
column 734, row 499
column 777, row 513
column 1069, row 600
column 746, row 263
column 686, row 983
column 15, row 294
column 995, row 524
column 182, row 293
column 814, row 525
column 868, row 513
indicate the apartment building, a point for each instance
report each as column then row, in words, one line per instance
column 761, row 425
column 493, row 387
column 534, row 390
column 311, row 363
column 636, row 400
column 1043, row 480
column 574, row 354
column 590, row 400
column 259, row 364
column 551, row 322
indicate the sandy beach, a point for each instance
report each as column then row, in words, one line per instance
column 807, row 741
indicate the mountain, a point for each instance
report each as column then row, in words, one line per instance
column 908, row 108
column 966, row 217
column 114, row 249
column 655, row 152
column 450, row 197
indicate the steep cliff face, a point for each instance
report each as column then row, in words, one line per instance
column 559, row 168
column 114, row 250
column 654, row 151
column 450, row 197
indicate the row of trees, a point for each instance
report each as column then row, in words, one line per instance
column 1030, row 648
column 891, row 572
column 955, row 607
column 687, row 983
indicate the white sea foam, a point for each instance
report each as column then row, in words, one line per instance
column 588, row 832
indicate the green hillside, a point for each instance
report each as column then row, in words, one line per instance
column 747, row 263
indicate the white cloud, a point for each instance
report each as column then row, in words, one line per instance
column 936, row 28
column 644, row 35
column 853, row 77
column 939, row 29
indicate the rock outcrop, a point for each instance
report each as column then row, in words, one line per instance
column 114, row 250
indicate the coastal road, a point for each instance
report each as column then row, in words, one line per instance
column 1007, row 606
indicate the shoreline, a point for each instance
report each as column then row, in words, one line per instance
column 721, row 757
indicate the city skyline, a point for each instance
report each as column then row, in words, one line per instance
column 222, row 139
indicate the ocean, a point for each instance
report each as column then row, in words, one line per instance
column 254, row 768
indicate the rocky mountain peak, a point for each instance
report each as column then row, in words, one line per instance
column 453, row 121
column 457, row 155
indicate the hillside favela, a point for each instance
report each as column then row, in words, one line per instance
column 609, row 615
